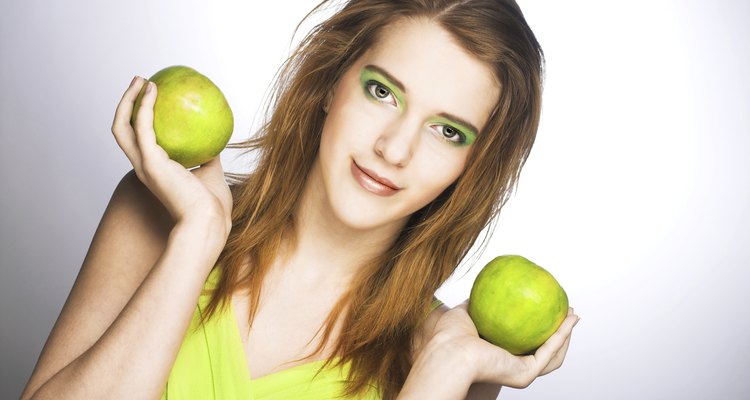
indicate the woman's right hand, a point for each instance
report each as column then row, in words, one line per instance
column 199, row 193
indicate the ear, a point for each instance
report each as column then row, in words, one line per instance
column 327, row 101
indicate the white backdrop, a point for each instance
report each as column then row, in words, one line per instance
column 635, row 195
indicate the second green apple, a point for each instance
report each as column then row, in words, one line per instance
column 516, row 304
column 192, row 119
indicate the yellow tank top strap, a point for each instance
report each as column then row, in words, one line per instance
column 435, row 303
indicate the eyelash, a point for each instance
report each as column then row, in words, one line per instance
column 380, row 85
column 461, row 138
column 457, row 138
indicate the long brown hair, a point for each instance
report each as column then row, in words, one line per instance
column 390, row 295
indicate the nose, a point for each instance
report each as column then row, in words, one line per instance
column 396, row 145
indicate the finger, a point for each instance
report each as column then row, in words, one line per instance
column 558, row 358
column 545, row 353
column 124, row 109
column 121, row 128
column 144, row 124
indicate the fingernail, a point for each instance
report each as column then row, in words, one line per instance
column 150, row 87
column 135, row 79
column 577, row 319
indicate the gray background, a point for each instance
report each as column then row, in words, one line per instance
column 635, row 196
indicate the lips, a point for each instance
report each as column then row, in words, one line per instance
column 379, row 179
column 373, row 183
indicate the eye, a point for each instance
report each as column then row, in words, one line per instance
column 451, row 134
column 379, row 92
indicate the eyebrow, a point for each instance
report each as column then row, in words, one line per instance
column 390, row 77
column 459, row 121
column 402, row 88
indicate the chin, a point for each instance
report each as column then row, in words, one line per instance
column 356, row 218
column 361, row 216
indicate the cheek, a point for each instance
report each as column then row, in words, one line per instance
column 434, row 177
column 326, row 144
column 332, row 143
column 346, row 129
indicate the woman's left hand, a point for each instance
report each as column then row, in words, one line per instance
column 491, row 363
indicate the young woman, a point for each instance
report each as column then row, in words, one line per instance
column 397, row 132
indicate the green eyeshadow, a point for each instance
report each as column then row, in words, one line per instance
column 372, row 74
column 468, row 133
column 368, row 75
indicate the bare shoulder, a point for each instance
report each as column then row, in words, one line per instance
column 130, row 237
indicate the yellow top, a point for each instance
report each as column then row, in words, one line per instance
column 211, row 365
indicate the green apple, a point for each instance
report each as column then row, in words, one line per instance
column 192, row 119
column 516, row 304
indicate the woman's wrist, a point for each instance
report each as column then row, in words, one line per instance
column 442, row 370
column 207, row 218
column 204, row 235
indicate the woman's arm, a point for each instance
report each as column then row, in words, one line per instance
column 133, row 357
column 130, row 238
column 123, row 323
column 483, row 391
column 454, row 357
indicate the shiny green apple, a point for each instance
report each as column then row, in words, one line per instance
column 516, row 304
column 192, row 120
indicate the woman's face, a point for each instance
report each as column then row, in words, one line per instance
column 400, row 124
